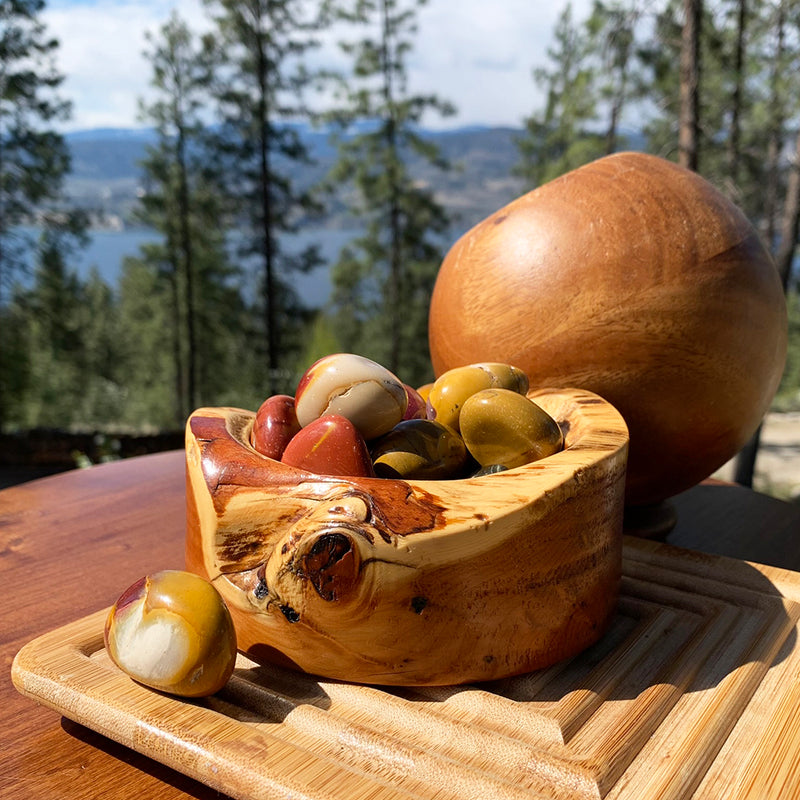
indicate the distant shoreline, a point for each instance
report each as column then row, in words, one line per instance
column 107, row 249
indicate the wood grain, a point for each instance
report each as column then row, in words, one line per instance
column 70, row 543
column 691, row 694
column 412, row 581
column 635, row 279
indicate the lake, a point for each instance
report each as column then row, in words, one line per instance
column 107, row 249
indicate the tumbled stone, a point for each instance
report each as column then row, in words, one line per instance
column 419, row 449
column 416, row 408
column 355, row 387
column 503, row 427
column 489, row 469
column 330, row 445
column 452, row 388
column 275, row 425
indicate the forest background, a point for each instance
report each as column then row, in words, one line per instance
column 251, row 148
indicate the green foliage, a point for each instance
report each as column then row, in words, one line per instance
column 322, row 340
column 102, row 391
column 33, row 157
column 146, row 313
column 14, row 367
column 64, row 347
column 595, row 72
column 54, row 339
column 611, row 28
column 383, row 279
column 261, row 81
column 559, row 137
column 185, row 204
column 788, row 396
column 661, row 54
column 180, row 329
column 772, row 100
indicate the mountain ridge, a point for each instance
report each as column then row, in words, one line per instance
column 107, row 178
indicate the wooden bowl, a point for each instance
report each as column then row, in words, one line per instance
column 635, row 279
column 412, row 582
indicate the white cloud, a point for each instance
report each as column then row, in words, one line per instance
column 100, row 54
column 481, row 55
column 475, row 54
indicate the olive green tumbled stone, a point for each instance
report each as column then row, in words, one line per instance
column 420, row 449
column 499, row 426
column 451, row 389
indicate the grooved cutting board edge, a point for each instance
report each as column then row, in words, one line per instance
column 681, row 699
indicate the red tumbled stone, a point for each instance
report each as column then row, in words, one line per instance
column 275, row 426
column 330, row 445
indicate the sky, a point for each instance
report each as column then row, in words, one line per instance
column 476, row 54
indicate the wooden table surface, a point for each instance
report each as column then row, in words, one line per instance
column 69, row 544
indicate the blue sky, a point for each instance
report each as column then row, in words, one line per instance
column 478, row 54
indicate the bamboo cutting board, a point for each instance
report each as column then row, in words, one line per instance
column 693, row 693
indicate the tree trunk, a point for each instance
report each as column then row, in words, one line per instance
column 745, row 463
column 776, row 125
column 689, row 120
column 267, row 248
column 611, row 132
column 791, row 218
column 734, row 138
column 187, row 252
column 395, row 255
column 181, row 397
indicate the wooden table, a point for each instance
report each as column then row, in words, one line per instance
column 70, row 543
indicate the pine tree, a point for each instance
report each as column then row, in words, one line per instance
column 738, row 100
column 54, row 340
column 65, row 340
column 689, row 63
column 33, row 156
column 611, row 28
column 383, row 280
column 261, row 85
column 183, row 202
column 690, row 72
column 101, row 400
column 771, row 188
column 146, row 316
column 563, row 135
column 774, row 67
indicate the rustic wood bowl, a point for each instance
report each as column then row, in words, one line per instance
column 412, row 582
